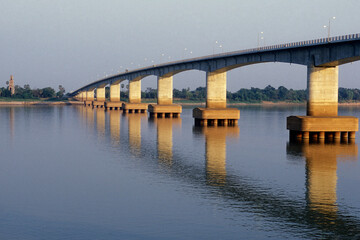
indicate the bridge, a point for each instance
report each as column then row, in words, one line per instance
column 321, row 56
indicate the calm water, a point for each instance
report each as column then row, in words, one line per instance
column 70, row 172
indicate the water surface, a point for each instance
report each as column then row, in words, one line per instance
column 69, row 172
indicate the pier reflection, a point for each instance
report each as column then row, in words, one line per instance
column 134, row 130
column 114, row 119
column 215, row 152
column 164, row 128
column 100, row 122
column 321, row 176
column 89, row 116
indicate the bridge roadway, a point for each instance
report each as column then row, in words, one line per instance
column 321, row 56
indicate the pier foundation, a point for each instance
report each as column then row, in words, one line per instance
column 322, row 120
column 216, row 113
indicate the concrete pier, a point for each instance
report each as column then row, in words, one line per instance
column 134, row 105
column 100, row 94
column 216, row 113
column 115, row 92
column 216, row 116
column 89, row 98
column 164, row 111
column 320, row 128
column 165, row 107
column 98, row 104
column 322, row 120
column 114, row 105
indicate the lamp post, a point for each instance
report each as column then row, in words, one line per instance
column 184, row 53
column 258, row 43
column 329, row 27
column 216, row 42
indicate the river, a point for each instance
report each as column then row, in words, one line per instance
column 70, row 172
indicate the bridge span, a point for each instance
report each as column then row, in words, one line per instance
column 321, row 56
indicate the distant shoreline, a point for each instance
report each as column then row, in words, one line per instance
column 24, row 103
column 264, row 103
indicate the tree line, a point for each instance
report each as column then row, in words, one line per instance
column 252, row 95
column 27, row 93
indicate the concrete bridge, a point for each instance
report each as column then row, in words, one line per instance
column 321, row 56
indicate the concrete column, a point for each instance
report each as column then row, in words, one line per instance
column 216, row 90
column 135, row 91
column 100, row 94
column 83, row 96
column 115, row 92
column 165, row 90
column 90, row 95
column 322, row 87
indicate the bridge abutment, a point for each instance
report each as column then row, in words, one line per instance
column 216, row 113
column 164, row 107
column 322, row 120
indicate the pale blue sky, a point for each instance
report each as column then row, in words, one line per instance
column 74, row 42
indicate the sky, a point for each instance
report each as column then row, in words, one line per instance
column 74, row 42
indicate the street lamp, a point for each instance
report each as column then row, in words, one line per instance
column 183, row 53
column 258, row 43
column 329, row 27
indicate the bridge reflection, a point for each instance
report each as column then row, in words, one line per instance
column 317, row 211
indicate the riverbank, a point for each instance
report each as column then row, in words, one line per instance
column 21, row 103
column 185, row 103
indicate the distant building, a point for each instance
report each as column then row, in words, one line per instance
column 11, row 85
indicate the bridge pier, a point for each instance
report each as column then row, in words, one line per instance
column 216, row 113
column 100, row 98
column 322, row 120
column 89, row 98
column 134, row 105
column 115, row 103
column 164, row 107
column 83, row 96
